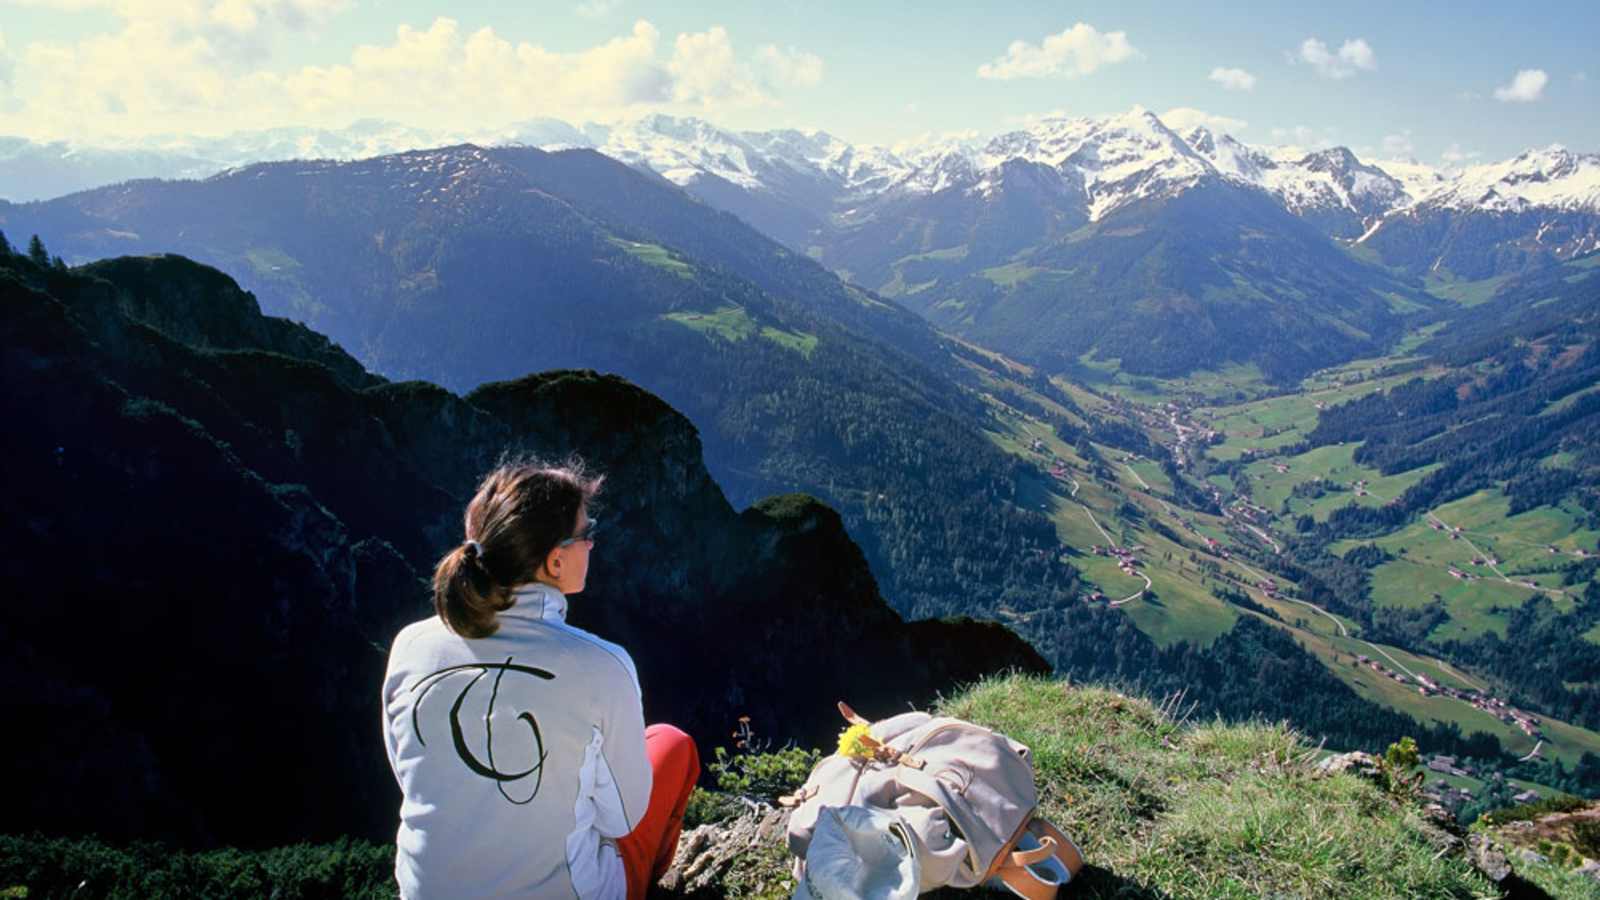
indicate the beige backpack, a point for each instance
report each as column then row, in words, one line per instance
column 963, row 795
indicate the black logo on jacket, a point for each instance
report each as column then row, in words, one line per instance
column 480, row 767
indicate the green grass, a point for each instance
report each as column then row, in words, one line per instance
column 730, row 323
column 1464, row 293
column 1334, row 465
column 1181, row 611
column 656, row 255
column 1180, row 810
column 733, row 324
column 1273, row 422
column 88, row 867
column 798, row 341
column 1402, row 305
column 270, row 260
column 1185, row 606
column 275, row 265
column 1207, row 810
column 1217, row 386
column 1477, row 785
column 1569, row 399
column 1519, row 542
column 1418, row 337
column 1012, row 274
column 943, row 253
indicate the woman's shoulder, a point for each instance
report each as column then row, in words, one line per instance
column 416, row 636
column 604, row 656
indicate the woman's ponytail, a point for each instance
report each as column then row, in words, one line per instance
column 521, row 511
column 466, row 595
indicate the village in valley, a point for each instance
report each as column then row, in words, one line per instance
column 1154, row 553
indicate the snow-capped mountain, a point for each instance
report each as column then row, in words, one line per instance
column 808, row 188
column 1494, row 218
column 1333, row 188
column 1552, row 178
column 1118, row 160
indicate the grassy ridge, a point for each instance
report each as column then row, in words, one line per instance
column 1160, row 806
column 1163, row 808
column 1209, row 810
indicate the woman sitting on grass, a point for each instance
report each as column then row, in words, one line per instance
column 519, row 742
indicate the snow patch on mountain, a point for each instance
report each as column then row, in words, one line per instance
column 1304, row 181
column 1110, row 162
column 1552, row 178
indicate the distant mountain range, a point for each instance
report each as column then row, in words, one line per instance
column 799, row 180
column 1113, row 237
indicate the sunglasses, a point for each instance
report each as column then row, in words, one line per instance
column 586, row 535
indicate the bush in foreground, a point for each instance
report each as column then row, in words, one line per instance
column 38, row 867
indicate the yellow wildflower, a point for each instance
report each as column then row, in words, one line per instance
column 856, row 742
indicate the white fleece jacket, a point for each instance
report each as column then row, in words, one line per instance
column 520, row 756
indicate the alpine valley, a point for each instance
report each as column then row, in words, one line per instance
column 1264, row 431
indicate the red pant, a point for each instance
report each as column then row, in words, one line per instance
column 647, row 850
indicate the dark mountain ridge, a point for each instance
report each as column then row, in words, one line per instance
column 218, row 521
column 465, row 266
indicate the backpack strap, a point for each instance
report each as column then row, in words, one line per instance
column 1037, row 873
column 851, row 715
column 880, row 751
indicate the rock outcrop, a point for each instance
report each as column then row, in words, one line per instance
column 216, row 522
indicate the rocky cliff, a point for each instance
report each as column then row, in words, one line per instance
column 216, row 521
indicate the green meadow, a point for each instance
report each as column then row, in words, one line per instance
column 1335, row 467
column 1182, row 604
column 1521, row 544
column 655, row 255
column 1446, row 286
column 731, row 323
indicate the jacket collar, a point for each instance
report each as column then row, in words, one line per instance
column 539, row 602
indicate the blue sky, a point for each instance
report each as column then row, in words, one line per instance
column 1457, row 82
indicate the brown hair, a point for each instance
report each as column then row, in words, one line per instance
column 522, row 510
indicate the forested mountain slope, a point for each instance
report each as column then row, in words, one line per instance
column 217, row 521
column 464, row 266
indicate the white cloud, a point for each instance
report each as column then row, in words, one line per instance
column 1454, row 156
column 1526, row 86
column 1399, row 146
column 158, row 76
column 1183, row 118
column 1354, row 55
column 789, row 68
column 1233, row 79
column 706, row 72
column 1580, row 76
column 1078, row 50
column 237, row 33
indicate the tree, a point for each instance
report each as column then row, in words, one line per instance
column 5, row 245
column 37, row 253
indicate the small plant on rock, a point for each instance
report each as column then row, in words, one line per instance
column 757, row 774
column 1395, row 768
column 1586, row 837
